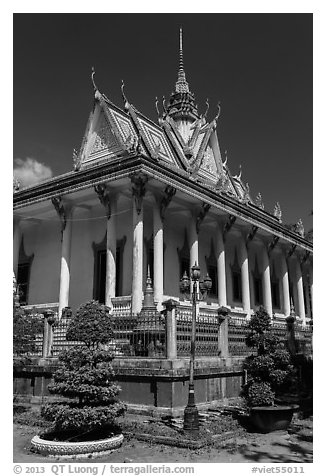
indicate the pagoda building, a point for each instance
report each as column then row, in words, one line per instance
column 160, row 197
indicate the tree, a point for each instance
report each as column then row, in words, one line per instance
column 270, row 371
column 85, row 376
column 25, row 328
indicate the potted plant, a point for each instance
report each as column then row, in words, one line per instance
column 270, row 373
column 84, row 421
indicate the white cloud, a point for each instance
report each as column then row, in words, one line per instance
column 30, row 172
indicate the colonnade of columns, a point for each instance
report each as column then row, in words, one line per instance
column 138, row 189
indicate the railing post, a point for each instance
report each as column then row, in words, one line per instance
column 171, row 328
column 45, row 345
column 48, row 333
column 223, row 335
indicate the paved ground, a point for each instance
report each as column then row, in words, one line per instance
column 277, row 447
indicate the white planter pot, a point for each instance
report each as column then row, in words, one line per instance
column 81, row 448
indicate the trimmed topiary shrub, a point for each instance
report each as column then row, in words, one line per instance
column 270, row 371
column 86, row 377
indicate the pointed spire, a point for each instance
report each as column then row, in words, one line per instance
column 181, row 85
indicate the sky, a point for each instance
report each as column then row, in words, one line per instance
column 259, row 66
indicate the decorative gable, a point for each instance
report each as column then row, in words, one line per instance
column 156, row 141
column 103, row 140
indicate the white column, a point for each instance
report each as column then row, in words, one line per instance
column 245, row 289
column 111, row 244
column 299, row 284
column 137, row 259
column 285, row 287
column 221, row 274
column 228, row 283
column 65, row 264
column 193, row 239
column 16, row 246
column 267, row 291
column 311, row 289
column 158, row 256
column 307, row 301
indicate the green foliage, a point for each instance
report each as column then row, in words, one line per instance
column 259, row 394
column 70, row 417
column 25, row 328
column 91, row 325
column 86, row 376
column 270, row 370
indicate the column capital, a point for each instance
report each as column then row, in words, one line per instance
column 102, row 191
column 228, row 225
column 138, row 186
column 58, row 204
column 201, row 215
column 170, row 304
column 168, row 194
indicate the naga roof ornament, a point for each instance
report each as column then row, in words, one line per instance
column 16, row 184
column 259, row 201
column 300, row 228
column 124, row 98
column 277, row 212
column 93, row 82
column 240, row 173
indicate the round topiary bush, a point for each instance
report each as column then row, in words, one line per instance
column 85, row 378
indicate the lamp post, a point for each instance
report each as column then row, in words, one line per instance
column 199, row 291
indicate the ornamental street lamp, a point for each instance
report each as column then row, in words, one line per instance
column 199, row 291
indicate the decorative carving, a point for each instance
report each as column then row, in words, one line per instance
column 291, row 250
column 238, row 177
column 272, row 244
column 207, row 104
column 221, row 183
column 66, row 448
column 60, row 209
column 246, row 194
column 157, row 109
column 259, row 201
column 163, row 105
column 132, row 144
column 103, row 194
column 228, row 225
column 305, row 257
column 208, row 162
column 169, row 193
column 299, row 228
column 226, row 158
column 218, row 113
column 93, row 82
column 278, row 212
column 138, row 184
column 16, row 184
column 157, row 149
column 76, row 160
column 203, row 212
column 125, row 100
column 188, row 152
column 251, row 234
